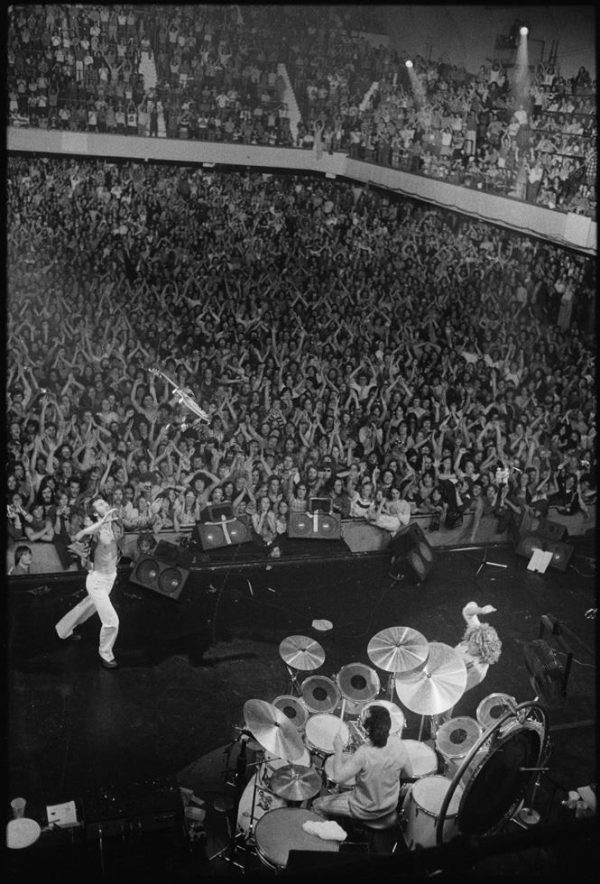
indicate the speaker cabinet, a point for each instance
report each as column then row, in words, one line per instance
column 213, row 535
column 164, row 578
column 561, row 552
column 314, row 526
column 412, row 554
column 545, row 669
column 171, row 552
column 551, row 530
column 215, row 512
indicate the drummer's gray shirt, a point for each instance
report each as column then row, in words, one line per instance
column 377, row 786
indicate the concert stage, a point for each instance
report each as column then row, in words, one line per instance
column 187, row 667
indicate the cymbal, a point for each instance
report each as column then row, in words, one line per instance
column 358, row 682
column 273, row 730
column 438, row 685
column 295, row 782
column 301, row 652
column 398, row 649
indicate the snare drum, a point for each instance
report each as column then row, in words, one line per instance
column 320, row 731
column 421, row 811
column 332, row 784
column 422, row 757
column 493, row 707
column 396, row 715
column 280, row 831
column 295, row 708
column 454, row 741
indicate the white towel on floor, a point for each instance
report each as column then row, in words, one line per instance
column 328, row 830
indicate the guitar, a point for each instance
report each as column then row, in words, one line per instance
column 183, row 397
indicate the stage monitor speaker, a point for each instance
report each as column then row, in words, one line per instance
column 171, row 552
column 214, row 512
column 551, row 530
column 319, row 504
column 412, row 554
column 164, row 578
column 561, row 552
column 314, row 526
column 214, row 535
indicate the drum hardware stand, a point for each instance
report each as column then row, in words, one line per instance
column 228, row 806
column 526, row 816
column 294, row 683
column 484, row 561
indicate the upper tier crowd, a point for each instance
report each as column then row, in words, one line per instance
column 344, row 343
column 211, row 72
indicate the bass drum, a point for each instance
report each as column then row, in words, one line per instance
column 499, row 774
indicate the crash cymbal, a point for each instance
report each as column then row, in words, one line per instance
column 294, row 707
column 398, row 649
column 358, row 682
column 273, row 730
column 301, row 652
column 320, row 693
column 457, row 737
column 295, row 782
column 438, row 685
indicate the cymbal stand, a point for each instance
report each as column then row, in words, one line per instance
column 294, row 683
column 226, row 805
column 391, row 685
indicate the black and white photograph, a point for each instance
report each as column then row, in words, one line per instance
column 300, row 442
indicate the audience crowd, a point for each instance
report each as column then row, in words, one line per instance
column 344, row 344
column 211, row 72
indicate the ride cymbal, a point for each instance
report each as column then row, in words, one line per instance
column 398, row 649
column 301, row 652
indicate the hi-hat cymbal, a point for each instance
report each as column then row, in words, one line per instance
column 398, row 649
column 358, row 682
column 438, row 685
column 301, row 652
column 295, row 782
column 273, row 730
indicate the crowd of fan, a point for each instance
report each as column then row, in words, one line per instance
column 78, row 67
column 86, row 68
column 393, row 357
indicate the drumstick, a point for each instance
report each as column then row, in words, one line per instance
column 343, row 709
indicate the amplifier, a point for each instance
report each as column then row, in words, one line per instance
column 137, row 806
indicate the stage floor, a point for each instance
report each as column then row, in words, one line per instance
column 188, row 666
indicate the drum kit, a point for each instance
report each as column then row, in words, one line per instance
column 294, row 741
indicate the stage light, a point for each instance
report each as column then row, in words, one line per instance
column 524, row 31
column 409, row 63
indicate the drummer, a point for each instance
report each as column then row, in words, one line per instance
column 377, row 767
